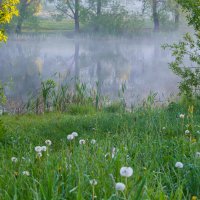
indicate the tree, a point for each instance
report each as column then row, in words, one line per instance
column 153, row 4
column 70, row 9
column 192, row 9
column 96, row 6
column 27, row 9
column 188, row 50
column 158, row 7
column 8, row 9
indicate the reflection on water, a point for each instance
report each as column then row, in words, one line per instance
column 140, row 63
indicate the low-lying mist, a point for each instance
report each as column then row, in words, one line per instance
column 140, row 63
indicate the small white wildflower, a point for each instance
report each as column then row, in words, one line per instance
column 120, row 186
column 93, row 182
column 187, row 132
column 75, row 134
column 93, row 141
column 82, row 141
column 198, row 154
column 39, row 154
column 26, row 173
column 14, row 159
column 70, row 137
column 44, row 148
column 182, row 116
column 163, row 128
column 38, row 149
column 126, row 171
column 179, row 165
column 48, row 142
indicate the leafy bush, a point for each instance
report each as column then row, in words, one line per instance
column 81, row 109
column 187, row 53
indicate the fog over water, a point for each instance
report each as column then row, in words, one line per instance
column 139, row 62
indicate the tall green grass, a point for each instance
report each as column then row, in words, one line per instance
column 150, row 140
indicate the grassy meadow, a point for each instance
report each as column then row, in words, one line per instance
column 149, row 140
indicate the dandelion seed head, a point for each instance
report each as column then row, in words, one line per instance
column 93, row 182
column 179, row 165
column 14, row 159
column 48, row 142
column 44, row 148
column 120, row 186
column 82, row 141
column 187, row 132
column 126, row 171
column 70, row 137
column 182, row 116
column 93, row 141
column 75, row 134
column 39, row 154
column 198, row 154
column 38, row 149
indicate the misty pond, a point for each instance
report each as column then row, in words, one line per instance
column 140, row 63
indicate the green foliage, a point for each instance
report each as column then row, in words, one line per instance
column 188, row 49
column 8, row 9
column 2, row 130
column 115, row 107
column 115, row 21
column 192, row 11
column 2, row 94
column 187, row 58
column 75, row 109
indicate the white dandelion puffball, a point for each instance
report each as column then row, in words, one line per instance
column 93, row 141
column 38, row 149
column 70, row 137
column 126, row 171
column 198, row 154
column 44, row 148
column 14, row 159
column 26, row 173
column 187, row 132
column 179, row 165
column 48, row 142
column 82, row 141
column 93, row 182
column 39, row 154
column 120, row 186
column 75, row 134
column 182, row 116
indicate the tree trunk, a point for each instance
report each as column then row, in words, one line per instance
column 21, row 18
column 177, row 15
column 155, row 16
column 98, row 7
column 18, row 29
column 96, row 28
column 76, row 16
